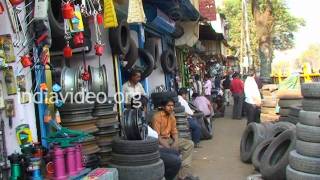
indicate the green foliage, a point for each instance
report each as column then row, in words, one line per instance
column 312, row 56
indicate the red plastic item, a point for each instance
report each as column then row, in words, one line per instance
column 67, row 51
column 86, row 75
column 67, row 11
column 99, row 49
column 1, row 8
column 100, row 19
column 26, row 61
column 16, row 2
column 78, row 39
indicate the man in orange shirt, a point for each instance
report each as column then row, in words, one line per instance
column 164, row 123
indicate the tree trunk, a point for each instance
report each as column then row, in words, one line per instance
column 265, row 56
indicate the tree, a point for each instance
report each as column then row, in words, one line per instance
column 272, row 27
column 311, row 56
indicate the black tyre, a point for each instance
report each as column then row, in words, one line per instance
column 308, row 148
column 286, row 103
column 310, row 90
column 179, row 109
column 308, row 133
column 168, row 62
column 280, row 127
column 284, row 111
column 292, row 119
column 179, row 32
column 295, row 110
column 304, row 163
column 259, row 151
column 119, row 38
column 297, row 175
column 132, row 55
column 152, row 46
column 253, row 135
column 135, row 160
column 311, row 105
column 275, row 159
column 151, row 172
column 309, row 118
column 120, row 146
column 148, row 63
column 161, row 95
column 175, row 13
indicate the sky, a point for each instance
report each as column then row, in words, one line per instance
column 309, row 34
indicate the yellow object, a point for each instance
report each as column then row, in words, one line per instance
column 279, row 76
column 136, row 12
column 109, row 15
column 306, row 74
column 76, row 23
column 23, row 131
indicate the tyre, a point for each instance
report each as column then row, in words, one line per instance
column 259, row 151
column 153, row 171
column 284, row 111
column 175, row 13
column 135, row 160
column 286, row 103
column 132, row 55
column 292, row 119
column 179, row 109
column 268, row 110
column 308, row 133
column 275, row 159
column 152, row 46
column 168, row 61
column 310, row 90
column 280, row 127
column 178, row 33
column 163, row 95
column 311, row 105
column 119, row 38
column 148, row 63
column 308, row 148
column 120, row 146
column 297, row 175
column 269, row 103
column 304, row 163
column 253, row 135
column 309, row 118
column 295, row 110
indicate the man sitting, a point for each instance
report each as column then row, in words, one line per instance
column 164, row 123
column 193, row 124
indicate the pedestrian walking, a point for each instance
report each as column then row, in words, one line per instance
column 237, row 89
column 252, row 98
column 226, row 89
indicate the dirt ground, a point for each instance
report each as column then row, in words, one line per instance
column 219, row 158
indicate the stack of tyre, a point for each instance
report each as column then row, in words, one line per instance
column 108, row 125
column 304, row 161
column 137, row 159
column 267, row 146
column 181, row 118
column 79, row 117
column 269, row 103
column 288, row 105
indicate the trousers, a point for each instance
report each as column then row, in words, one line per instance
column 172, row 162
column 237, row 106
column 195, row 130
column 253, row 113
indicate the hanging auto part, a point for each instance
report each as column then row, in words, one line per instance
column 67, row 10
column 40, row 9
column 148, row 63
column 85, row 75
column 120, row 38
column 10, row 81
column 69, row 80
column 4, row 167
column 98, row 81
column 67, row 51
column 131, row 57
column 152, row 46
column 168, row 62
column 26, row 61
column 10, row 111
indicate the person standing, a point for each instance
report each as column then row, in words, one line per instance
column 197, row 85
column 237, row 89
column 207, row 87
column 193, row 124
column 164, row 123
column 226, row 89
column 252, row 98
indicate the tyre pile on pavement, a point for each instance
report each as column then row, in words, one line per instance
column 289, row 109
column 108, row 125
column 98, row 120
column 269, row 103
column 180, row 115
column 304, row 161
column 137, row 159
column 267, row 146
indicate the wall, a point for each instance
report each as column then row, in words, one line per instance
column 24, row 113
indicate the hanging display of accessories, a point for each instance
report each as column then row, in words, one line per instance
column 10, row 110
column 26, row 61
column 136, row 12
column 109, row 14
column 67, row 51
column 98, row 82
column 67, row 10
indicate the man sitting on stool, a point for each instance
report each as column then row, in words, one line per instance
column 164, row 123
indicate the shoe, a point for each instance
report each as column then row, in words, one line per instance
column 197, row 145
column 192, row 178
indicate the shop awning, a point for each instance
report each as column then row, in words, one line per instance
column 185, row 7
column 206, row 32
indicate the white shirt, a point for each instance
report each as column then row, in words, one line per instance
column 130, row 90
column 251, row 91
column 186, row 106
column 196, row 85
